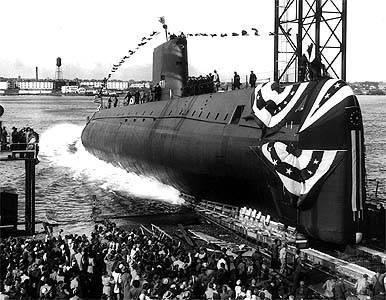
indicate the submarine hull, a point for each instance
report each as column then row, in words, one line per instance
column 217, row 147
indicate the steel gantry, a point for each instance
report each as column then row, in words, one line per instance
column 310, row 27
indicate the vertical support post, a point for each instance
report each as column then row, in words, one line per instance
column 32, row 161
column 299, row 36
column 318, row 17
column 27, row 214
column 29, row 194
column 344, row 39
column 276, row 43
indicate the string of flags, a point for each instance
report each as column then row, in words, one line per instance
column 253, row 31
column 144, row 40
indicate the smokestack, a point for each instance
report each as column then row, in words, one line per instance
column 37, row 73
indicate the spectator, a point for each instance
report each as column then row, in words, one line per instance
column 104, row 265
column 283, row 259
column 339, row 290
column 328, row 287
column 378, row 283
column 302, row 291
column 362, row 287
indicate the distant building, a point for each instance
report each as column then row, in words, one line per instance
column 32, row 86
column 117, row 85
column 111, row 84
column 139, row 85
column 3, row 86
column 91, row 84
column 70, row 89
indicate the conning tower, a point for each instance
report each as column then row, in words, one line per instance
column 170, row 65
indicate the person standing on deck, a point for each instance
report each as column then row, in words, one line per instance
column 216, row 81
column 252, row 79
column 236, row 81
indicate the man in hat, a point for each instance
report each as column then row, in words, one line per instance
column 236, row 81
column 252, row 79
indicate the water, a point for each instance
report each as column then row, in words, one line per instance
column 67, row 175
column 374, row 120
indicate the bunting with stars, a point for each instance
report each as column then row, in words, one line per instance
column 299, row 170
column 332, row 93
column 272, row 103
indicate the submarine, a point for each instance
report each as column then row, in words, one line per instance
column 294, row 151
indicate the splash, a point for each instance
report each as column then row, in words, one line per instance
column 61, row 146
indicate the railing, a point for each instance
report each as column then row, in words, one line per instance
column 23, row 149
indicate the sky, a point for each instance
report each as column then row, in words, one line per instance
column 91, row 35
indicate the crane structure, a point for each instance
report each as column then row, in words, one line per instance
column 311, row 27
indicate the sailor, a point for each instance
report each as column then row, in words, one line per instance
column 252, row 79
column 141, row 96
column 136, row 97
column 162, row 82
column 115, row 101
column 127, row 98
column 157, row 92
column 216, row 80
column 236, row 81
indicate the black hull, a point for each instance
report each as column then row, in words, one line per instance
column 202, row 146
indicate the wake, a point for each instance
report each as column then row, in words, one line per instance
column 61, row 146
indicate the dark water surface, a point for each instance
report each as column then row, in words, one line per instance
column 67, row 175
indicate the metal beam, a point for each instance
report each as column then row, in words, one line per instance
column 276, row 43
column 299, row 36
column 344, row 39
column 322, row 23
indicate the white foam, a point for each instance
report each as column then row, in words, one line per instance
column 55, row 147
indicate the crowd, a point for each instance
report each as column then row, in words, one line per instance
column 200, row 85
column 23, row 139
column 116, row 264
column 133, row 96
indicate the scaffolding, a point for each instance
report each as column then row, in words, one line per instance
column 311, row 27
